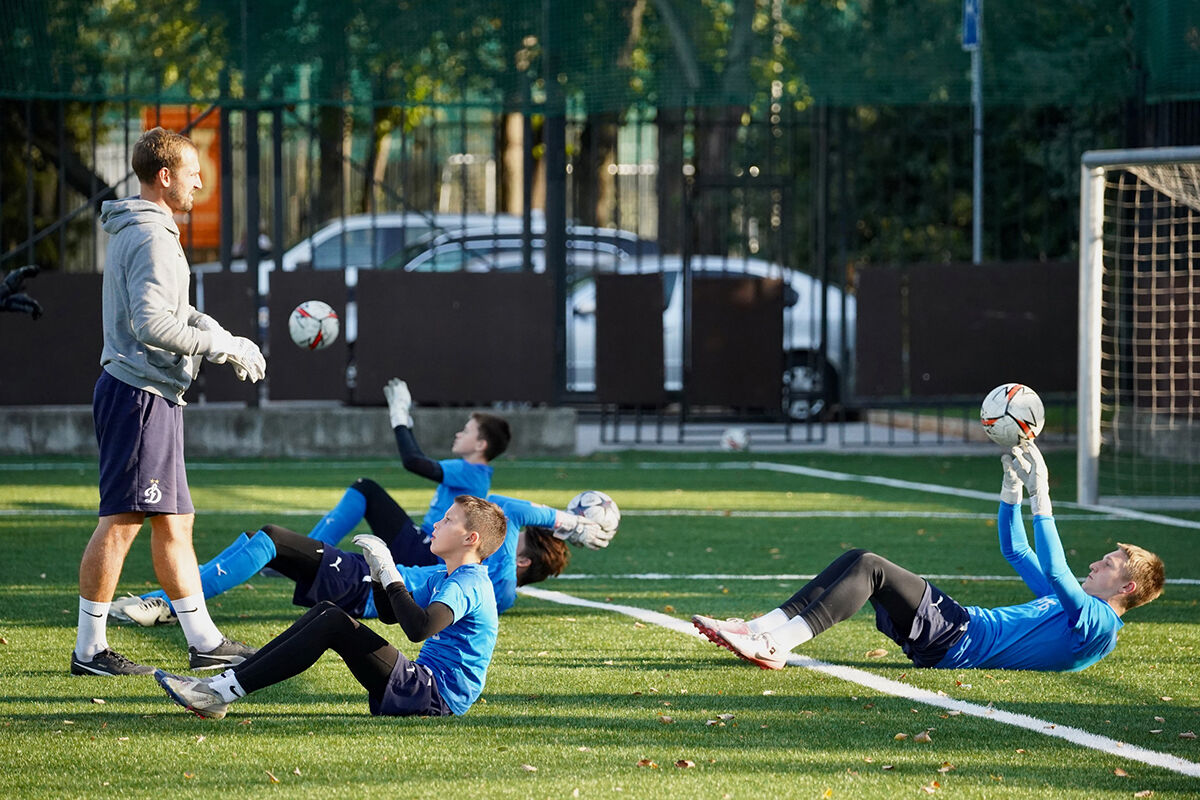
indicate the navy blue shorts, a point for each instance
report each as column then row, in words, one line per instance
column 343, row 579
column 140, row 435
column 411, row 691
column 939, row 622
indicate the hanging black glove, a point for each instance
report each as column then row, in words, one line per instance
column 11, row 296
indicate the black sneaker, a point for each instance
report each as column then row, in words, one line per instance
column 227, row 654
column 108, row 662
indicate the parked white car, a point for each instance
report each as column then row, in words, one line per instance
column 810, row 380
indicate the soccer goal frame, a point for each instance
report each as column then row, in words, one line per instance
column 1096, row 167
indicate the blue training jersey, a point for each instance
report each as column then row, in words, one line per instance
column 458, row 477
column 1064, row 629
column 502, row 564
column 459, row 654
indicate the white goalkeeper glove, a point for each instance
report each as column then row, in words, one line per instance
column 237, row 351
column 399, row 401
column 379, row 559
column 1010, row 486
column 580, row 531
column 1031, row 468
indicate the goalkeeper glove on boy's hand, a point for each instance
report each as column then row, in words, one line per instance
column 1010, row 486
column 1031, row 468
column 580, row 531
column 399, row 401
column 379, row 559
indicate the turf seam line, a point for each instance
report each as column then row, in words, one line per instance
column 794, row 578
column 1076, row 736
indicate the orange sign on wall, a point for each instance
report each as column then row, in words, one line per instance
column 202, row 227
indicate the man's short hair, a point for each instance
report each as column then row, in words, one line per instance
column 547, row 554
column 485, row 518
column 158, row 148
column 1146, row 571
column 493, row 430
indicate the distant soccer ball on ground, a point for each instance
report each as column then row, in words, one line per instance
column 734, row 439
column 598, row 507
column 313, row 325
column 1012, row 413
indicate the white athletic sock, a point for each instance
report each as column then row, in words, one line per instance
column 92, row 634
column 226, row 684
column 792, row 633
column 197, row 625
column 767, row 622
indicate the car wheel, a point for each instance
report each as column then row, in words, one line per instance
column 809, row 387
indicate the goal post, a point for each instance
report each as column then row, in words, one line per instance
column 1139, row 327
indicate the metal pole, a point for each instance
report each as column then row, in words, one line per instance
column 1091, row 271
column 977, row 126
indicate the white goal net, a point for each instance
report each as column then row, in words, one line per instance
column 1139, row 328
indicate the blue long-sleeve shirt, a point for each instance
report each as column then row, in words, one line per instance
column 1063, row 629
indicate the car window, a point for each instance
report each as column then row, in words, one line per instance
column 387, row 240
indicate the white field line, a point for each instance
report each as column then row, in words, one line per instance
column 933, row 488
column 897, row 689
column 795, row 578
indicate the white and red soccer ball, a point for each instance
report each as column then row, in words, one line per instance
column 313, row 325
column 1012, row 413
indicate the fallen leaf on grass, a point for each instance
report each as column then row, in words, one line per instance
column 639, row 624
column 1144, row 793
column 923, row 737
column 645, row 762
column 665, row 720
column 945, row 767
column 878, row 652
column 931, row 787
column 271, row 776
column 1160, row 719
column 725, row 716
column 296, row 771
column 683, row 763
column 827, row 794
column 1120, row 773
column 1021, row 750
column 529, row 767
column 3, row 640
column 887, row 767
column 768, row 692
column 199, row 739
column 1156, row 730
column 900, row 737
column 189, row 775
column 1187, row 735
column 717, row 722
column 98, row 701
column 1166, row 699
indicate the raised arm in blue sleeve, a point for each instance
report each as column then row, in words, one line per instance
column 1054, row 566
column 1014, row 546
column 523, row 513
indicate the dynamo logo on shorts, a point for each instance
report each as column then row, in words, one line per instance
column 153, row 494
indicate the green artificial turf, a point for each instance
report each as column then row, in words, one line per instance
column 590, row 702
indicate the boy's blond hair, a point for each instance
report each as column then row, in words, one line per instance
column 485, row 518
column 1146, row 571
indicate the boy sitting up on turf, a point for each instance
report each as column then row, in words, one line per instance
column 482, row 440
column 1068, row 627
column 453, row 611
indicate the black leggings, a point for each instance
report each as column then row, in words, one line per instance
column 297, row 557
column 323, row 627
column 390, row 522
column 847, row 584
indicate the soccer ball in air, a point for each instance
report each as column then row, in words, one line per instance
column 596, row 506
column 734, row 439
column 313, row 325
column 1012, row 413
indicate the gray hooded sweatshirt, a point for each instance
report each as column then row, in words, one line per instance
column 150, row 338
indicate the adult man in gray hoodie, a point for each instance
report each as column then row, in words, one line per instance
column 154, row 341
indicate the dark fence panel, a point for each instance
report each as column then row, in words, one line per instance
column 629, row 339
column 967, row 328
column 293, row 373
column 737, row 327
column 457, row 338
column 228, row 297
column 55, row 359
column 879, row 339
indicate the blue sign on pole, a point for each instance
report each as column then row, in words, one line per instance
column 970, row 29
